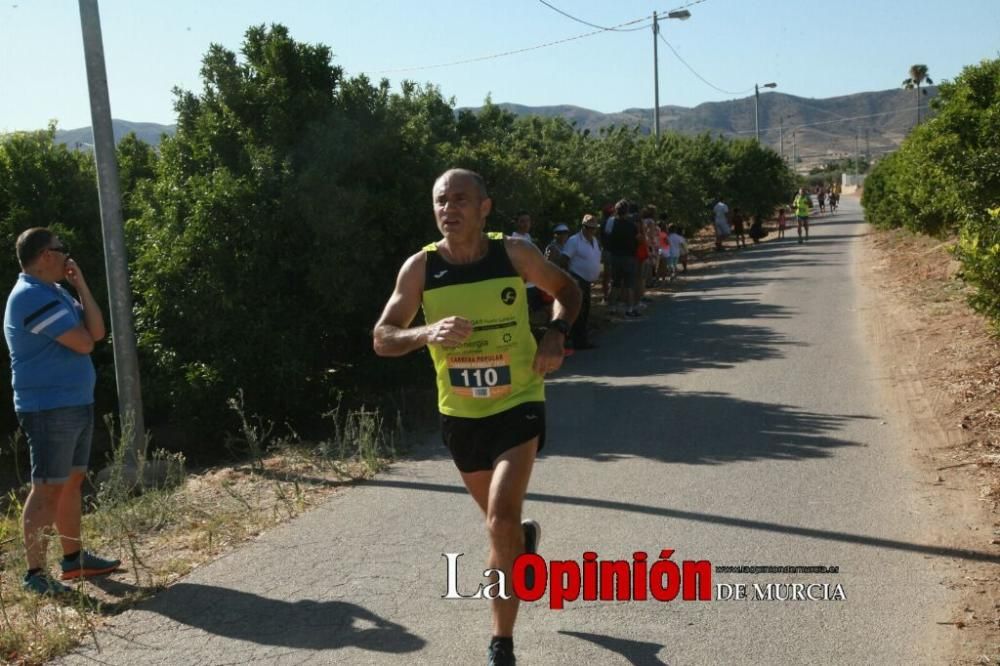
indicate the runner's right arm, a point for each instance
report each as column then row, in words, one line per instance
column 392, row 335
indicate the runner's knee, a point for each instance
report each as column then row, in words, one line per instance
column 503, row 522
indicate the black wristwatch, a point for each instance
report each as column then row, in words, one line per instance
column 560, row 325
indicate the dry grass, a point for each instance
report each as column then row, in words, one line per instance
column 954, row 347
column 949, row 358
column 162, row 533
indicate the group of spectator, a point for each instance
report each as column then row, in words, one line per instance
column 627, row 249
column 734, row 222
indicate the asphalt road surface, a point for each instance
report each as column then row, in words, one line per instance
column 742, row 422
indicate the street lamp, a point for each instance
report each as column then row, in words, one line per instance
column 683, row 15
column 756, row 106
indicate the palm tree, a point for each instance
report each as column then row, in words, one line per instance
column 918, row 75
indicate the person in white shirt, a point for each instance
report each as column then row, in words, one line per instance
column 678, row 246
column 722, row 228
column 554, row 250
column 584, row 256
column 522, row 230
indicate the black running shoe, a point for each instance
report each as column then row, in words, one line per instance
column 500, row 655
column 532, row 536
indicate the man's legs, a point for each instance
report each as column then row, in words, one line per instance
column 606, row 277
column 639, row 281
column 630, row 285
column 500, row 494
column 619, row 286
column 578, row 334
column 39, row 513
column 67, row 515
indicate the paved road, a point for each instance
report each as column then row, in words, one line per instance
column 742, row 422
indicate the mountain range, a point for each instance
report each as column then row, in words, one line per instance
column 817, row 130
column 83, row 137
column 813, row 130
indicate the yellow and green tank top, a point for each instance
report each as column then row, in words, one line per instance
column 802, row 203
column 492, row 370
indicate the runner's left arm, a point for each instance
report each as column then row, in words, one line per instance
column 533, row 267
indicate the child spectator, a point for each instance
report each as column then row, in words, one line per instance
column 663, row 263
column 678, row 248
column 738, row 228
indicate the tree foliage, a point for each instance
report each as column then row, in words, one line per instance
column 44, row 184
column 266, row 234
column 946, row 178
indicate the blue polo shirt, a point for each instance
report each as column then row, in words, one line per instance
column 45, row 374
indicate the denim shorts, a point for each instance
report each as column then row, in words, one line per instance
column 59, row 441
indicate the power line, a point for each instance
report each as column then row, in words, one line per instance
column 830, row 122
column 587, row 23
column 816, row 108
column 505, row 54
column 703, row 79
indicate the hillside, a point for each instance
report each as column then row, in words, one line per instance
column 83, row 137
column 820, row 129
column 817, row 126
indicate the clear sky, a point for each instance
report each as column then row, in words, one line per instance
column 809, row 49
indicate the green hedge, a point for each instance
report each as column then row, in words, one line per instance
column 946, row 179
column 266, row 234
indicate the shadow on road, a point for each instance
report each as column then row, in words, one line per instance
column 307, row 624
column 693, row 428
column 712, row 519
column 637, row 653
column 686, row 334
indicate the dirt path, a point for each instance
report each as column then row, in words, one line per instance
column 940, row 369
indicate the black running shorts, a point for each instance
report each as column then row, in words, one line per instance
column 475, row 444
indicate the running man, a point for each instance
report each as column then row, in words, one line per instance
column 490, row 371
column 802, row 205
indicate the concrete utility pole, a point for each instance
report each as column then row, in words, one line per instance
column 857, row 152
column 756, row 112
column 756, row 107
column 681, row 15
column 781, row 136
column 795, row 151
column 656, row 77
column 115, row 257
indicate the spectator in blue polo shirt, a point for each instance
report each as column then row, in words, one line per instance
column 50, row 336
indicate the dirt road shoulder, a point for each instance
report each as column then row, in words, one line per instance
column 940, row 367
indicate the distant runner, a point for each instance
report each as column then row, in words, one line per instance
column 802, row 205
column 489, row 370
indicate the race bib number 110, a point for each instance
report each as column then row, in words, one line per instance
column 486, row 376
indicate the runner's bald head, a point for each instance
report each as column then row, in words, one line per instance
column 476, row 179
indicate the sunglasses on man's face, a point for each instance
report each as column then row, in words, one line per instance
column 63, row 249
